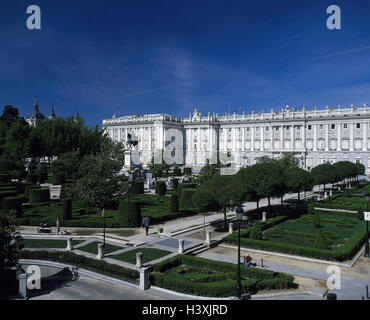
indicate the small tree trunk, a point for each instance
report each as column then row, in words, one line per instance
column 299, row 196
column 282, row 201
column 268, row 198
column 258, row 204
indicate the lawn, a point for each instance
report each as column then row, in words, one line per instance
column 343, row 236
column 47, row 244
column 149, row 254
column 92, row 247
column 198, row 276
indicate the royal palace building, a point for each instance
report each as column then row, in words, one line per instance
column 315, row 136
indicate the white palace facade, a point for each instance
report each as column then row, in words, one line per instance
column 316, row 136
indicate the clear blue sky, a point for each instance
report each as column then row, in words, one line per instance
column 171, row 56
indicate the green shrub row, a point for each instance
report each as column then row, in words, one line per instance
column 39, row 195
column 83, row 262
column 343, row 253
column 129, row 214
column 215, row 285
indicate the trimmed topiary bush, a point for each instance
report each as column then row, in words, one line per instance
column 316, row 220
column 39, row 195
column 174, row 203
column 187, row 171
column 59, row 178
column 187, row 185
column 42, row 176
column 175, row 184
column 177, row 171
column 5, row 178
column 186, row 196
column 67, row 209
column 161, row 188
column 321, row 242
column 65, row 191
column 33, row 178
column 129, row 214
column 137, row 187
column 256, row 232
column 13, row 203
column 6, row 194
column 30, row 187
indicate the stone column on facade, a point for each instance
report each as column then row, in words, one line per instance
column 243, row 138
column 327, row 137
column 225, row 139
column 234, row 139
column 339, row 137
column 282, row 137
column 292, row 147
column 314, row 137
column 262, row 138
column 364, row 136
column 303, row 136
column 252, row 138
column 141, row 138
column 351, row 136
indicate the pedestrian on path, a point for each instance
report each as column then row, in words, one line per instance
column 146, row 222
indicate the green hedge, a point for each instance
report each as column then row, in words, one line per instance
column 59, row 178
column 177, row 171
column 33, row 178
column 6, row 194
column 65, row 191
column 161, row 188
column 30, row 187
column 175, row 184
column 174, row 203
column 343, row 253
column 129, row 214
column 67, row 209
column 216, row 285
column 13, row 203
column 5, row 178
column 186, row 196
column 187, row 171
column 137, row 187
column 83, row 262
column 39, row 195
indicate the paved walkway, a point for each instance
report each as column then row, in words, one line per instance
column 351, row 288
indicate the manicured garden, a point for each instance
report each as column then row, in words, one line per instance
column 351, row 199
column 203, row 277
column 149, row 254
column 47, row 244
column 327, row 236
column 92, row 247
column 99, row 266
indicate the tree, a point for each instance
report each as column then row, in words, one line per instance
column 225, row 191
column 100, row 179
column 10, row 114
column 298, row 180
column 203, row 200
column 68, row 163
column 345, row 169
column 264, row 179
column 9, row 244
column 208, row 171
column 325, row 173
column 360, row 169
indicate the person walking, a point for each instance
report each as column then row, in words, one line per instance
column 146, row 222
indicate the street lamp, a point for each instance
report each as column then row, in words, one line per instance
column 103, row 214
column 239, row 214
column 367, row 254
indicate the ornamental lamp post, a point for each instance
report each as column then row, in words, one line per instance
column 103, row 215
column 367, row 254
column 239, row 214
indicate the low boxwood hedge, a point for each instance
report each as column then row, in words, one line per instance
column 215, row 285
column 39, row 195
column 83, row 262
column 5, row 178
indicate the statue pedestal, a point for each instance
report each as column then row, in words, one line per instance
column 128, row 160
